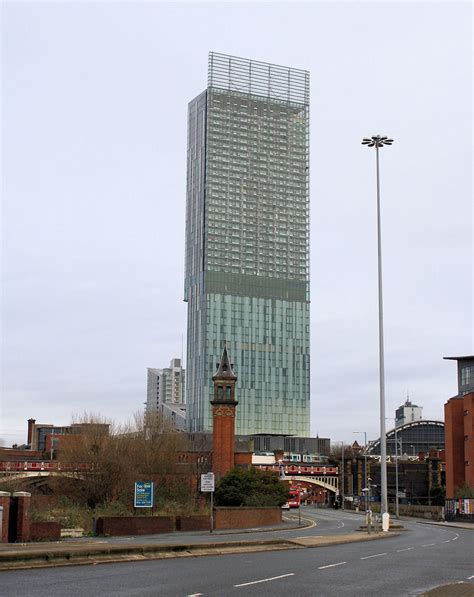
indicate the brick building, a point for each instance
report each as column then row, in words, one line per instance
column 459, row 429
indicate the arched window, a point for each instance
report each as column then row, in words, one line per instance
column 227, row 393
column 220, row 392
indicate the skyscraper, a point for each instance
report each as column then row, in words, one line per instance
column 247, row 243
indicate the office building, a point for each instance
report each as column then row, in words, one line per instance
column 459, row 422
column 247, row 244
column 408, row 413
column 165, row 386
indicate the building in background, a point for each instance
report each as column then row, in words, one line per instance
column 459, row 422
column 408, row 413
column 247, row 243
column 413, row 439
column 166, row 395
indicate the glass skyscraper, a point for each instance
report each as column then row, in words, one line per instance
column 247, row 244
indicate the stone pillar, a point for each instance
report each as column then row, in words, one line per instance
column 23, row 520
column 5, row 503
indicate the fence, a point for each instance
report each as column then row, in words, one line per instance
column 460, row 509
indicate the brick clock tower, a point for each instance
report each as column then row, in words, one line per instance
column 223, row 416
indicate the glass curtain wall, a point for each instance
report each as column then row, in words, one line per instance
column 247, row 243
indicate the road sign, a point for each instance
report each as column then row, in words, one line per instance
column 207, row 482
column 144, row 494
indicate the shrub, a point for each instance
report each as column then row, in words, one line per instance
column 251, row 487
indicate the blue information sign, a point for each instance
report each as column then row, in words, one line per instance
column 144, row 494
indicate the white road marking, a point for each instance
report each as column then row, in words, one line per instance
column 255, row 582
column 428, row 544
column 454, row 538
column 447, row 541
column 331, row 565
column 405, row 549
column 377, row 555
column 195, row 595
column 470, row 577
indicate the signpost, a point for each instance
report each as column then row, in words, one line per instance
column 144, row 494
column 208, row 485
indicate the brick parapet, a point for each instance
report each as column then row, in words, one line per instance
column 246, row 517
column 116, row 526
column 45, row 531
column 23, row 519
column 5, row 503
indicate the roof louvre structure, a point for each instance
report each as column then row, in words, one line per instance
column 241, row 75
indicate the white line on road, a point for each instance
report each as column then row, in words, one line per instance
column 195, row 595
column 377, row 555
column 447, row 541
column 428, row 544
column 405, row 549
column 454, row 538
column 331, row 565
column 470, row 577
column 255, row 582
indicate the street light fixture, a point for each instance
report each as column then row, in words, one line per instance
column 365, row 466
column 377, row 141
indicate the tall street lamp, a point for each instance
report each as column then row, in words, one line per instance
column 365, row 466
column 378, row 142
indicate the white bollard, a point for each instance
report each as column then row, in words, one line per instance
column 385, row 521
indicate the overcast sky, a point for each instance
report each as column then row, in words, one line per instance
column 94, row 100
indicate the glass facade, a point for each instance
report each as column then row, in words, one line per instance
column 247, row 243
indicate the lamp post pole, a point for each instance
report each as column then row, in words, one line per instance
column 378, row 142
column 397, row 507
column 365, row 467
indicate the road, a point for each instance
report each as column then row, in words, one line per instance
column 420, row 558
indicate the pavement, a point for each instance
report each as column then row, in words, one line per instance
column 96, row 550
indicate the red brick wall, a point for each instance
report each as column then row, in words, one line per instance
column 246, row 517
column 23, row 519
column 41, row 531
column 223, row 439
column 193, row 523
column 134, row 525
column 454, row 444
column 5, row 502
column 468, row 416
column 243, row 459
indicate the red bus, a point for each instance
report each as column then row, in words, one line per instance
column 294, row 499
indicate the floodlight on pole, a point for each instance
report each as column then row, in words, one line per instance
column 378, row 142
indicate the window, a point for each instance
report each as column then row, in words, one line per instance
column 467, row 375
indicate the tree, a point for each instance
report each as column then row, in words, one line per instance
column 466, row 491
column 251, row 487
column 108, row 460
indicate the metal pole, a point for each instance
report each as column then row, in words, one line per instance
column 383, row 439
column 397, row 510
column 365, row 471
column 342, row 479
column 212, row 511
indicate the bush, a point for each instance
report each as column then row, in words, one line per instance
column 251, row 487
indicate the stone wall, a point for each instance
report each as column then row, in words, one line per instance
column 428, row 512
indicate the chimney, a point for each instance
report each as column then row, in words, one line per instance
column 31, row 422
